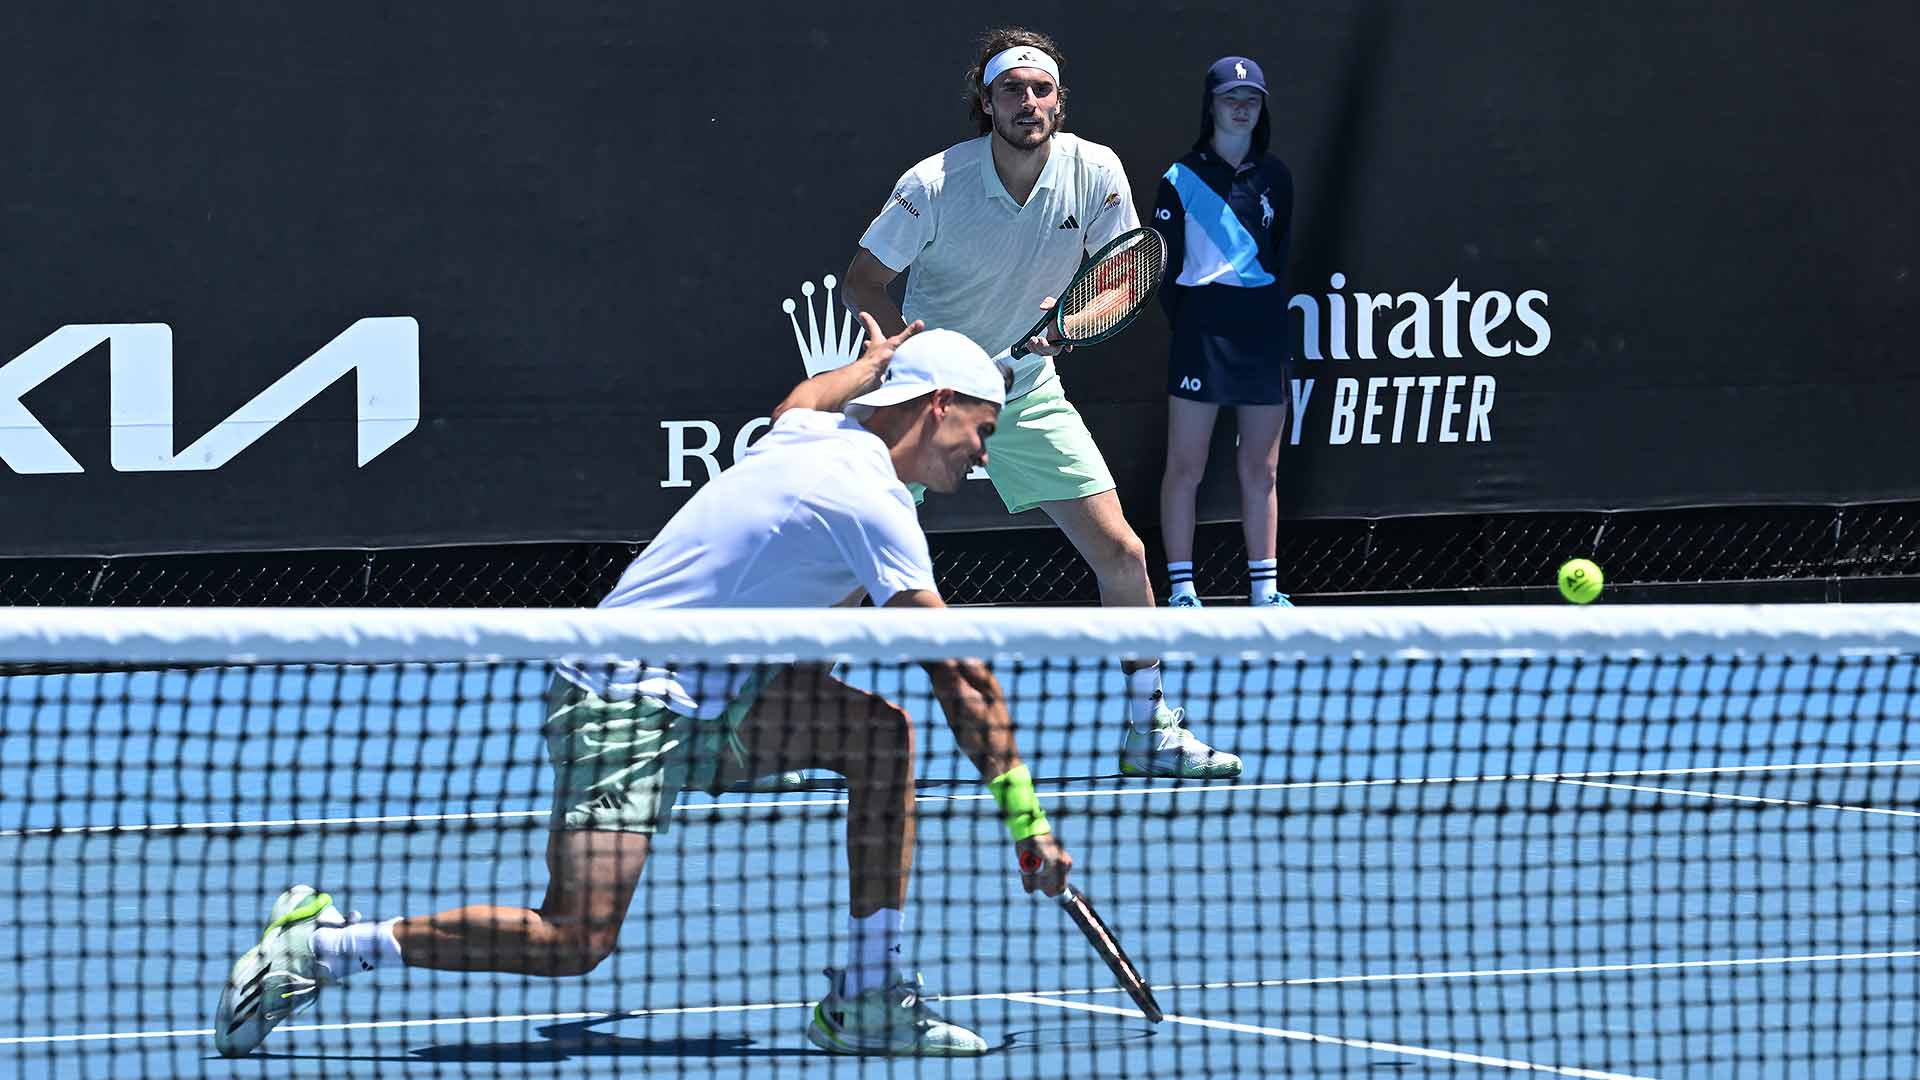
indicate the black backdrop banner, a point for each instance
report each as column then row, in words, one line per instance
column 352, row 275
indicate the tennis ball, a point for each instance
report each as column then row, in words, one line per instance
column 1581, row 580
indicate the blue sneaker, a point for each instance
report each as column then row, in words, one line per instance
column 1278, row 599
column 1185, row 600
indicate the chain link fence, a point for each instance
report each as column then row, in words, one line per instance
column 1786, row 553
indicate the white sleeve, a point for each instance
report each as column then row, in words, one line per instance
column 904, row 226
column 883, row 544
column 1113, row 213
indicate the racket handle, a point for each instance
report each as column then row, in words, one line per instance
column 1031, row 862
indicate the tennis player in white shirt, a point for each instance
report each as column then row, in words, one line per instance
column 817, row 509
column 989, row 227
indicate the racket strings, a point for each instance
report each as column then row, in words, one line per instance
column 1112, row 291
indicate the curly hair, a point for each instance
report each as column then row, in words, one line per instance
column 993, row 43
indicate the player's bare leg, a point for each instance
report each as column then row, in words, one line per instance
column 591, row 879
column 807, row 719
column 308, row 945
column 1157, row 741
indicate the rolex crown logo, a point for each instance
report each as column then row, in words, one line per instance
column 835, row 347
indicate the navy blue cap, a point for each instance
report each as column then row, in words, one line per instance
column 1229, row 72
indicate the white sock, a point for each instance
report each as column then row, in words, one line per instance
column 873, row 951
column 1180, row 576
column 348, row 950
column 1143, row 691
column 1264, row 574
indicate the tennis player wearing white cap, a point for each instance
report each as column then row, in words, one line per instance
column 816, row 509
column 990, row 226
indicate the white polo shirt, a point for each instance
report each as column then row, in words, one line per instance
column 982, row 262
column 812, row 512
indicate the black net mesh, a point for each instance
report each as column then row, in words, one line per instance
column 1597, row 865
column 1853, row 553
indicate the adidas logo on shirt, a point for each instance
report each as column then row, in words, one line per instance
column 1070, row 223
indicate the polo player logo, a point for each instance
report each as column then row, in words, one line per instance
column 1239, row 70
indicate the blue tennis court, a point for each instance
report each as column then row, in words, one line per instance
column 1644, row 868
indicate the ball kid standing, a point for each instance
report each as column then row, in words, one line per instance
column 1225, row 210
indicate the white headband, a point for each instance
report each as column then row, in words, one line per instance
column 1017, row 57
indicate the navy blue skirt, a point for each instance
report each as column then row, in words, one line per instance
column 1230, row 346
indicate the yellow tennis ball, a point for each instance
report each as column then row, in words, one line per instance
column 1581, row 580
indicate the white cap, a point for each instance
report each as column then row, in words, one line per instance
column 938, row 360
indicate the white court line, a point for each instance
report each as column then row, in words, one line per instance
column 1584, row 969
column 1025, row 996
column 1735, row 797
column 1126, row 792
column 1334, row 1040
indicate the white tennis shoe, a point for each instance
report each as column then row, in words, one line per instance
column 279, row 976
column 894, row 1020
column 1170, row 750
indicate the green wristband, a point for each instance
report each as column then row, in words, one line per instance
column 1013, row 790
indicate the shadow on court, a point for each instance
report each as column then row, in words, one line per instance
column 560, row 1043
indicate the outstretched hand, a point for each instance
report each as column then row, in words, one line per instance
column 878, row 352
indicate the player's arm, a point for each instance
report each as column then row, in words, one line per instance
column 976, row 711
column 899, row 232
column 830, row 391
column 865, row 291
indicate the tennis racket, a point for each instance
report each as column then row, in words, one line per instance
column 1108, row 293
column 1080, row 910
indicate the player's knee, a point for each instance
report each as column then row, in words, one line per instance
column 581, row 950
column 1124, row 552
column 888, row 749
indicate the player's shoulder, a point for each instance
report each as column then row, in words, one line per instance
column 1091, row 154
column 932, row 173
column 806, row 427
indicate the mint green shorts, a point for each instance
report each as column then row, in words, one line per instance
column 621, row 765
column 1041, row 451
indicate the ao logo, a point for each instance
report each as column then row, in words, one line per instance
column 1189, row 382
column 824, row 346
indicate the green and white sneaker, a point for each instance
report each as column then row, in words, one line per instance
column 1173, row 751
column 279, row 976
column 894, row 1020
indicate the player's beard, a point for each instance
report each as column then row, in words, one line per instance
column 1025, row 139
